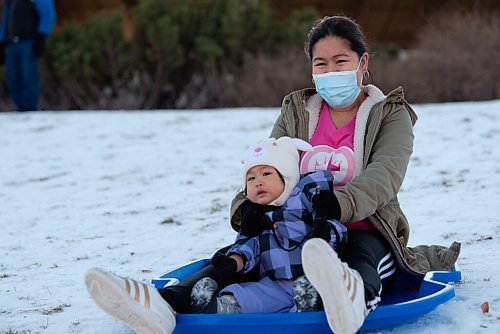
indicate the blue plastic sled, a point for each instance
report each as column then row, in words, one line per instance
column 398, row 306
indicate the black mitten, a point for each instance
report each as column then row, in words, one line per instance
column 226, row 268
column 321, row 229
column 253, row 218
column 39, row 45
column 326, row 204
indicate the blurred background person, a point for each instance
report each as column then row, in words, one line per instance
column 24, row 28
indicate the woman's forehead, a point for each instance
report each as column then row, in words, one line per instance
column 332, row 46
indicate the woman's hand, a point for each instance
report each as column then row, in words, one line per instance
column 326, row 204
column 321, row 229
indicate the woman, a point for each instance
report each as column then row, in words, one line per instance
column 366, row 139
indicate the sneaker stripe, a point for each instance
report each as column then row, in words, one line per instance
column 387, row 266
column 115, row 295
column 388, row 273
column 354, row 290
column 146, row 296
column 137, row 294
column 127, row 285
column 349, row 282
column 386, row 259
column 372, row 304
column 352, row 286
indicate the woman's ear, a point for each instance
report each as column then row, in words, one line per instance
column 364, row 60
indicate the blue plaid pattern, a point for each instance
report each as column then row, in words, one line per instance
column 273, row 251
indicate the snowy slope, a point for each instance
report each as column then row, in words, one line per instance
column 141, row 192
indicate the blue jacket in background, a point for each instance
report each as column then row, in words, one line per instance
column 23, row 19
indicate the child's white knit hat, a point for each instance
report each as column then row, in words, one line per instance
column 282, row 154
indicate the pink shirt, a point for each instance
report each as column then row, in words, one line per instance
column 333, row 150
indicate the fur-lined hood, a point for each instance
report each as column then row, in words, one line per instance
column 373, row 96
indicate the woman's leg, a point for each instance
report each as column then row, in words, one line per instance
column 350, row 282
column 369, row 254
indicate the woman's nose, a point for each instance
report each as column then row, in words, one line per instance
column 332, row 67
column 329, row 68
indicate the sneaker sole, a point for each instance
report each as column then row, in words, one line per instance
column 119, row 304
column 329, row 282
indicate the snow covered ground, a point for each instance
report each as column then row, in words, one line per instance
column 141, row 192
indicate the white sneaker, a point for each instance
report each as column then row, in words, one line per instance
column 138, row 305
column 340, row 287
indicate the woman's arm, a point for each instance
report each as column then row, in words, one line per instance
column 279, row 128
column 385, row 170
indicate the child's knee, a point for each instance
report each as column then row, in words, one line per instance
column 227, row 303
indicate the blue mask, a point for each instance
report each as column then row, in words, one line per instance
column 338, row 89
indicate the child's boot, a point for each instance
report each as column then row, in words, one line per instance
column 203, row 296
column 305, row 296
column 138, row 305
column 340, row 287
column 204, row 299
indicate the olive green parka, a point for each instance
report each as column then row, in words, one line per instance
column 383, row 143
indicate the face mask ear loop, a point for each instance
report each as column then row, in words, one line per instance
column 357, row 68
column 363, row 75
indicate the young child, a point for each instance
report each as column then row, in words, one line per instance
column 276, row 221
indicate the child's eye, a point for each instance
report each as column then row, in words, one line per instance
column 250, row 178
column 267, row 173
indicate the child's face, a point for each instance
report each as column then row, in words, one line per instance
column 264, row 184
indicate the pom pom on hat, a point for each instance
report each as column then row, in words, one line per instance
column 282, row 154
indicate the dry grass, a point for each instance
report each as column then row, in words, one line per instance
column 262, row 81
column 455, row 59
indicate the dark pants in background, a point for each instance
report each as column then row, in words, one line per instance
column 22, row 75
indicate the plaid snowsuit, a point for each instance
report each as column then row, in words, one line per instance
column 278, row 251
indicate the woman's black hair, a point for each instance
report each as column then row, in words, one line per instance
column 336, row 26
